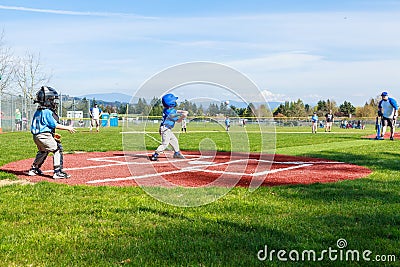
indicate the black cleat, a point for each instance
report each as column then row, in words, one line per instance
column 35, row 171
column 61, row 175
column 154, row 157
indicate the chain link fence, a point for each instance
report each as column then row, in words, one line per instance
column 17, row 112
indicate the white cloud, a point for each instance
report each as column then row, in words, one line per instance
column 297, row 54
column 73, row 13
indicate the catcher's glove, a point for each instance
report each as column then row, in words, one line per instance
column 57, row 137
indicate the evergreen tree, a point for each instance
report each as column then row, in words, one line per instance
column 156, row 107
column 212, row 110
column 347, row 109
column 141, row 107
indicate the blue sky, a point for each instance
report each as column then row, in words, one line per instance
column 341, row 50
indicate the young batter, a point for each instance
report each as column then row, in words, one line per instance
column 170, row 117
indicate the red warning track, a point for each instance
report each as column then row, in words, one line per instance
column 120, row 169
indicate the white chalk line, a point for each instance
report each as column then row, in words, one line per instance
column 299, row 164
column 195, row 159
column 122, row 163
column 195, row 169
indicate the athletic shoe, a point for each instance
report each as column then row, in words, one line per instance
column 61, row 175
column 391, row 138
column 35, row 171
column 178, row 155
column 154, row 157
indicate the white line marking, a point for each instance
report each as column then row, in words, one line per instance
column 196, row 169
column 200, row 166
column 198, row 162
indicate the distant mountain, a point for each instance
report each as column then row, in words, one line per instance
column 272, row 105
column 109, row 97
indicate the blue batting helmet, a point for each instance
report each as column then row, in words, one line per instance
column 169, row 101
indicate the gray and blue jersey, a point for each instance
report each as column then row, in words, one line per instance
column 43, row 122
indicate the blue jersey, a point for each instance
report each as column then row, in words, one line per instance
column 170, row 116
column 389, row 107
column 227, row 122
column 43, row 121
column 314, row 118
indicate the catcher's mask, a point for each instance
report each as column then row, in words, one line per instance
column 47, row 97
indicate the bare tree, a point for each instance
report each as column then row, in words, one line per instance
column 6, row 65
column 6, row 70
column 29, row 76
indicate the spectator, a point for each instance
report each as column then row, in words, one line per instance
column 18, row 120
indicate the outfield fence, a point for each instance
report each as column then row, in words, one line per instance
column 76, row 113
column 345, row 123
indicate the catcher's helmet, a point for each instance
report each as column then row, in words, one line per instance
column 47, row 97
column 169, row 101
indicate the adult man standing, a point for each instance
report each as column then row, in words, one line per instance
column 329, row 121
column 95, row 114
column 388, row 110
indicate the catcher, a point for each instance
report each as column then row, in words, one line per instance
column 170, row 117
column 44, row 123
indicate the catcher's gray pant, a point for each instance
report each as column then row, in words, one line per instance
column 167, row 138
column 46, row 143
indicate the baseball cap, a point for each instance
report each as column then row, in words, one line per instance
column 384, row 94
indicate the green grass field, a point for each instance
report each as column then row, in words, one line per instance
column 49, row 224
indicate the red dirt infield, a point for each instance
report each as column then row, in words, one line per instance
column 386, row 136
column 117, row 168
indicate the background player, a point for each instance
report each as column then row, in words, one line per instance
column 95, row 114
column 314, row 123
column 183, row 124
column 388, row 110
column 329, row 121
column 227, row 123
column 170, row 117
column 44, row 122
